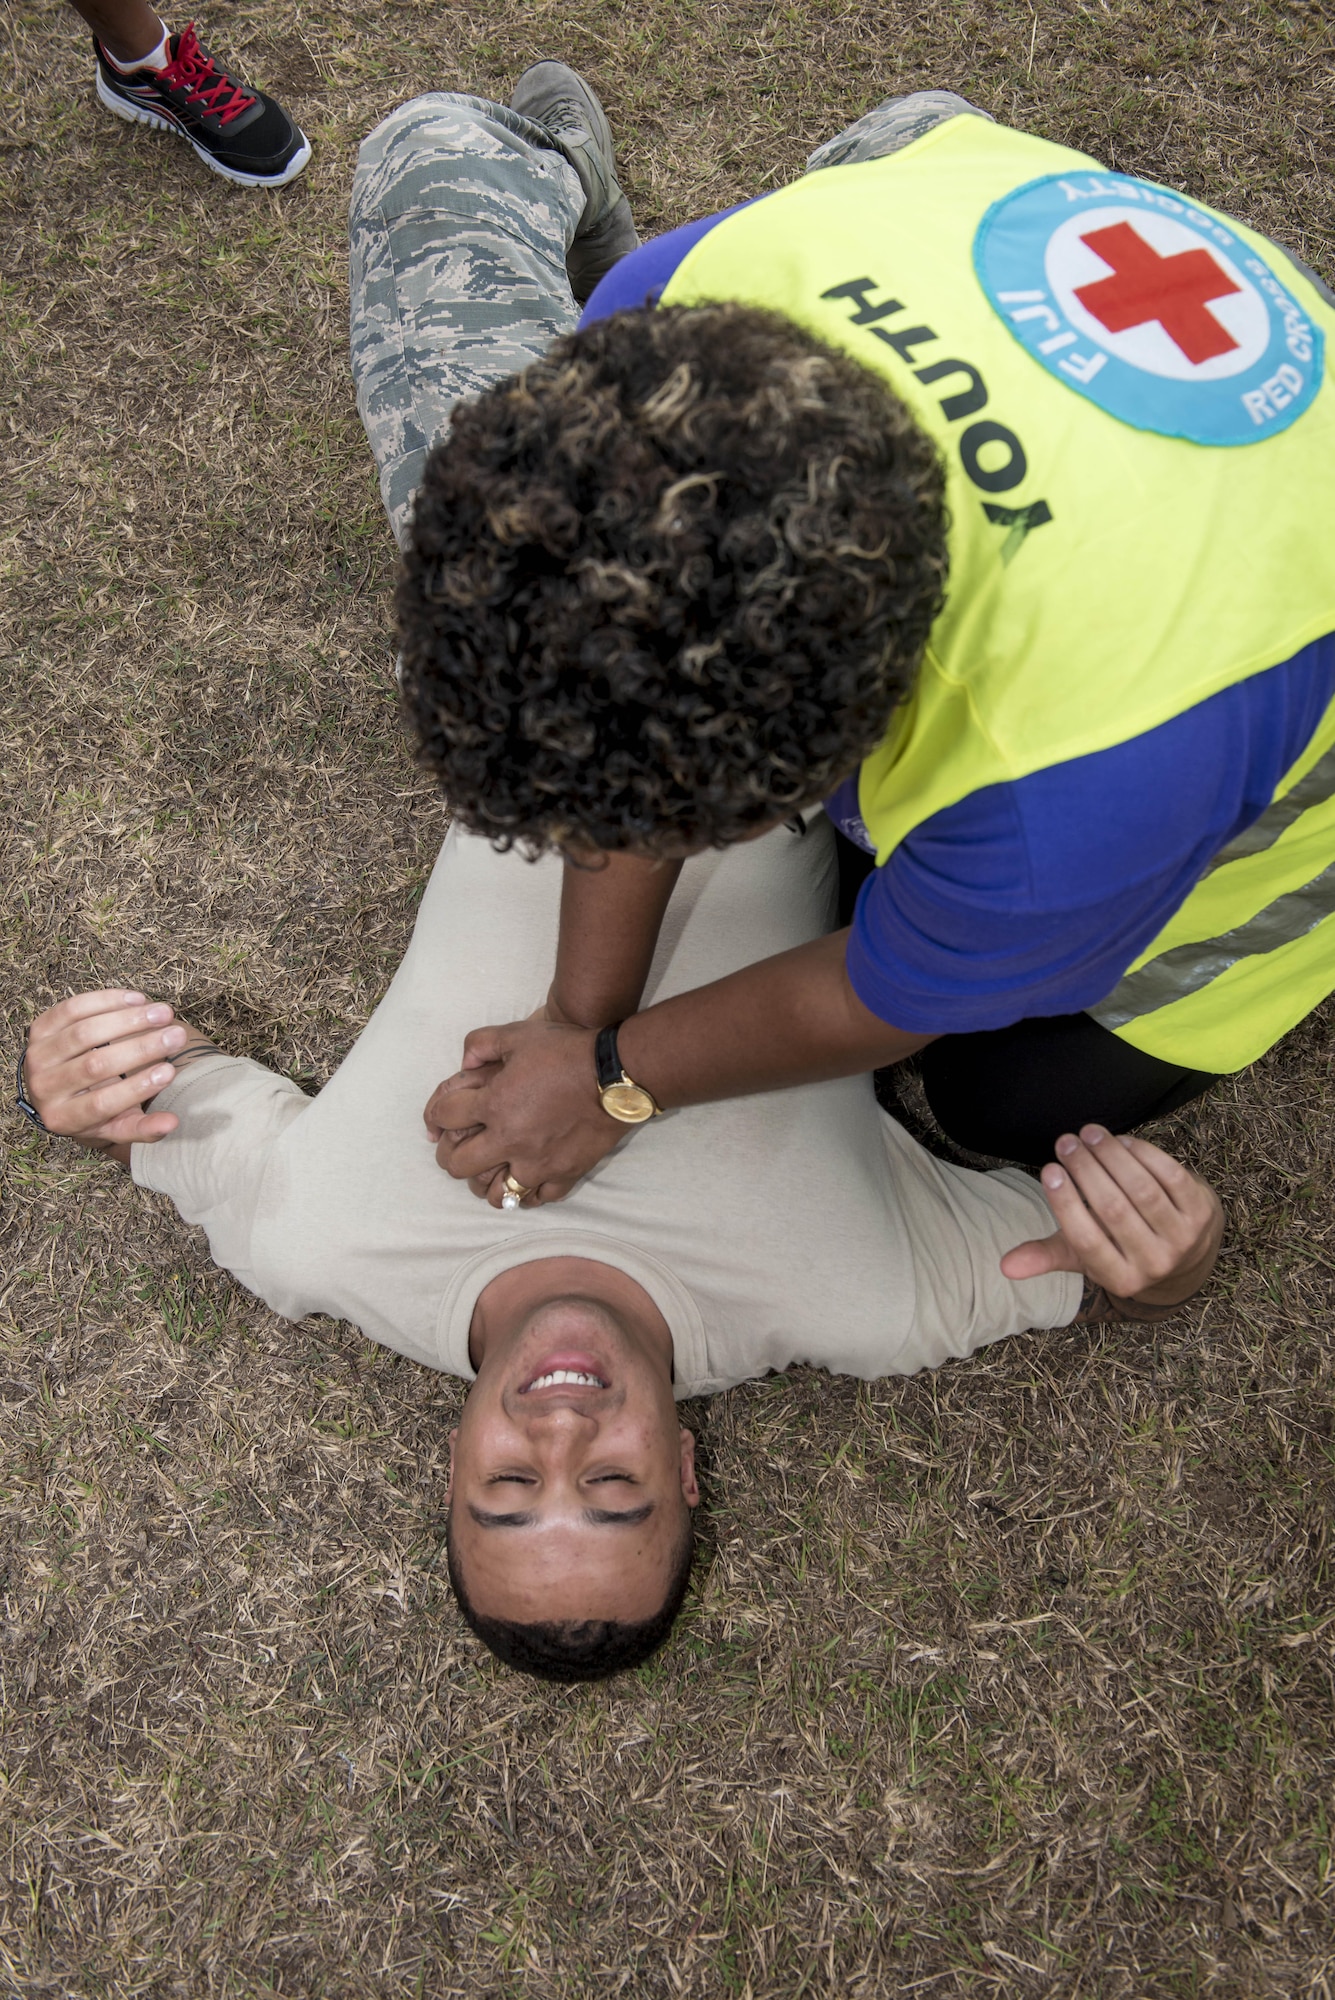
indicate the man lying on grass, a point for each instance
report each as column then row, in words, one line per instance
column 801, row 1225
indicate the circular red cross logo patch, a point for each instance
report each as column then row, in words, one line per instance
column 1151, row 307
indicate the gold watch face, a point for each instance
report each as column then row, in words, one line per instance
column 627, row 1102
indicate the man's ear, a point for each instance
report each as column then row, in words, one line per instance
column 449, row 1483
column 690, row 1490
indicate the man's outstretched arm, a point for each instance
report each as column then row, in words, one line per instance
column 95, row 1062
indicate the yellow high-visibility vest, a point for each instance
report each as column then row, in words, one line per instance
column 1131, row 398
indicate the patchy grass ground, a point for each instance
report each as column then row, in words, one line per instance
column 1013, row 1681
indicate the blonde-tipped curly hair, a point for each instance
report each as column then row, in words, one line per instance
column 667, row 584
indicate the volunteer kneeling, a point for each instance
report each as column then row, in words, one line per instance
column 980, row 493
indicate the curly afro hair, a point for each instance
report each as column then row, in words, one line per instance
column 666, row 585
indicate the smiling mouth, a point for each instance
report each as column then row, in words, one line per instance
column 566, row 1369
column 563, row 1378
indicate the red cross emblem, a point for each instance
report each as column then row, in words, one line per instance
column 1173, row 290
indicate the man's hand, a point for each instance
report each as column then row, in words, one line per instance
column 95, row 1061
column 526, row 1104
column 1142, row 1228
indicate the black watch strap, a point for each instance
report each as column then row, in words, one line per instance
column 607, row 1057
column 22, row 1101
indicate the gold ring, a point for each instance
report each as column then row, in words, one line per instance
column 514, row 1192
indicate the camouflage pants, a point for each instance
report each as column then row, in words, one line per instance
column 462, row 212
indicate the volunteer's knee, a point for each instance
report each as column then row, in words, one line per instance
column 440, row 122
column 445, row 142
column 890, row 126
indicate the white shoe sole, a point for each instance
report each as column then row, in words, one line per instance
column 141, row 114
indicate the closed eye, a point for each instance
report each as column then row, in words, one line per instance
column 511, row 1479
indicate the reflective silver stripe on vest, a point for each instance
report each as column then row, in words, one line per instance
column 1312, row 790
column 1188, row 967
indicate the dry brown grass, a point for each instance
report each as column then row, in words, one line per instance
column 1014, row 1681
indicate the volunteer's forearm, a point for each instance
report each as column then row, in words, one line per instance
column 786, row 1020
column 610, row 918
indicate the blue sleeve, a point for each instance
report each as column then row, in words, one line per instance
column 1033, row 897
column 638, row 279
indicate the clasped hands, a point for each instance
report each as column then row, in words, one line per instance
column 525, row 1104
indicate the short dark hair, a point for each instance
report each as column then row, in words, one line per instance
column 588, row 1649
column 666, row 585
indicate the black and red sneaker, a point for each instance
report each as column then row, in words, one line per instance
column 239, row 132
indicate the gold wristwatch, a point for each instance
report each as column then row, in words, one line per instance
column 621, row 1098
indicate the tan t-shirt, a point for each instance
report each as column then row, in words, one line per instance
column 803, row 1225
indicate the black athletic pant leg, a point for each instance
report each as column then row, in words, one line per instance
column 1012, row 1092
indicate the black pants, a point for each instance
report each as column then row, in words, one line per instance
column 1012, row 1091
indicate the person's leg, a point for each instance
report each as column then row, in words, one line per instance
column 1012, row 1092
column 889, row 126
column 148, row 76
column 900, row 120
column 128, row 29
column 462, row 213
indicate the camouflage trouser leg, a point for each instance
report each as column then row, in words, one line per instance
column 897, row 122
column 461, row 215
column 462, row 212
